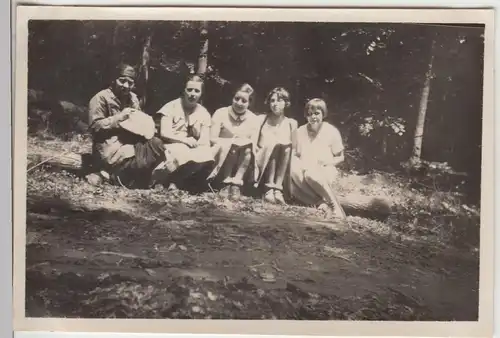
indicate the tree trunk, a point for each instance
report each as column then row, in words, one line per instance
column 203, row 55
column 384, row 143
column 116, row 56
column 144, row 69
column 424, row 100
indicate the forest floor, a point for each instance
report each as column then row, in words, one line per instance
column 111, row 252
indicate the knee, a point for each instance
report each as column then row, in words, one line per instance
column 157, row 142
column 311, row 175
column 247, row 152
column 286, row 152
column 296, row 170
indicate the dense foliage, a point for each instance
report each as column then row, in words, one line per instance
column 371, row 76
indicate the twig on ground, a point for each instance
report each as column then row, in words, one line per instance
column 256, row 265
column 120, row 182
column 339, row 257
column 124, row 255
column 48, row 159
column 275, row 266
column 36, row 265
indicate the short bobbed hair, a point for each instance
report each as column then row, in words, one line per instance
column 316, row 103
column 246, row 88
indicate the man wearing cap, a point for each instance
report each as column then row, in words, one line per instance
column 121, row 152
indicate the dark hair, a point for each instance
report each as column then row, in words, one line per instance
column 246, row 88
column 195, row 78
column 120, row 68
column 281, row 92
column 316, row 103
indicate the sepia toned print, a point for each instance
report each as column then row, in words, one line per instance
column 211, row 168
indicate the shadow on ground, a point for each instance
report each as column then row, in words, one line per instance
column 211, row 263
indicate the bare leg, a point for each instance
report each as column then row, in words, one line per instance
column 228, row 167
column 243, row 162
column 271, row 171
column 283, row 156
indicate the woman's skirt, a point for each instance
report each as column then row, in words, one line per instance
column 178, row 155
column 300, row 189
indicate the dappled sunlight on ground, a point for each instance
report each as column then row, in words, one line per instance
column 111, row 252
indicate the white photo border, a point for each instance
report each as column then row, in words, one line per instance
column 482, row 327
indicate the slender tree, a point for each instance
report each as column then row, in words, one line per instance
column 203, row 55
column 422, row 110
column 144, row 68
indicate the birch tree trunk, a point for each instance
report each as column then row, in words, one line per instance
column 203, row 55
column 424, row 101
column 144, row 69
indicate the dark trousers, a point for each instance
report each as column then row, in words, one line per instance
column 135, row 172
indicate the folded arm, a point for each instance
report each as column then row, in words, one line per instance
column 98, row 116
column 204, row 139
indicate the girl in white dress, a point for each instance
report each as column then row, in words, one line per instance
column 185, row 129
column 232, row 135
column 317, row 150
column 274, row 144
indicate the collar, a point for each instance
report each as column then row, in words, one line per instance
column 117, row 98
column 181, row 107
column 239, row 118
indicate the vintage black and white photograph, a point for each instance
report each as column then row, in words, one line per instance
column 232, row 169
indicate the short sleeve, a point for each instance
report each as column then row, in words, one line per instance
column 218, row 117
column 205, row 118
column 293, row 124
column 299, row 139
column 336, row 143
column 166, row 110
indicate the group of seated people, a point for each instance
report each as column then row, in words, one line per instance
column 233, row 149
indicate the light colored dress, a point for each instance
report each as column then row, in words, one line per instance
column 315, row 154
column 233, row 131
column 268, row 139
column 185, row 125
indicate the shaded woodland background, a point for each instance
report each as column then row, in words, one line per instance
column 371, row 75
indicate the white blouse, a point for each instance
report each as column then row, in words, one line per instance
column 321, row 148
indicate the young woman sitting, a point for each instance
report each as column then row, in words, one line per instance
column 184, row 126
column 274, row 143
column 317, row 150
column 232, row 137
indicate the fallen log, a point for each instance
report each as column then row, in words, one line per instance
column 366, row 206
column 374, row 207
column 80, row 164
